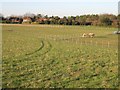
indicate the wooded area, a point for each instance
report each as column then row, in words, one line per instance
column 94, row 19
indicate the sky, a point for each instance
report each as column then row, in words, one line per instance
column 58, row 7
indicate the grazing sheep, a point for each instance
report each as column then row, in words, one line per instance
column 91, row 35
column 84, row 35
column 88, row 35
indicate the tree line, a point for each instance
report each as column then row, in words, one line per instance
column 93, row 19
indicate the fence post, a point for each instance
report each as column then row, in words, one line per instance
column 76, row 41
column 54, row 37
column 102, row 44
column 91, row 42
column 96, row 43
column 85, row 43
column 45, row 37
column 108, row 44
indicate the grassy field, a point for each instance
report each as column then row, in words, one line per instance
column 57, row 56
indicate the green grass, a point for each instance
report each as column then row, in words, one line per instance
column 52, row 56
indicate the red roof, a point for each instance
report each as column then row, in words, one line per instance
column 42, row 19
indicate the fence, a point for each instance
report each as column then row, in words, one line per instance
column 77, row 39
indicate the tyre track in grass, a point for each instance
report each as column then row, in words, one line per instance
column 36, row 56
column 29, row 57
column 23, row 56
column 42, row 45
column 25, row 72
column 39, row 55
column 38, row 52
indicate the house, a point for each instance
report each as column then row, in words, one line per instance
column 15, row 20
column 41, row 19
column 27, row 20
column 115, row 23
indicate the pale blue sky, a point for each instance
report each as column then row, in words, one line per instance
column 59, row 0
column 60, row 7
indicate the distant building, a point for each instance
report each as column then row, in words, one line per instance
column 14, row 20
column 115, row 23
column 41, row 19
column 27, row 20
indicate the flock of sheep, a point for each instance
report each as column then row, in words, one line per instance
column 91, row 35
